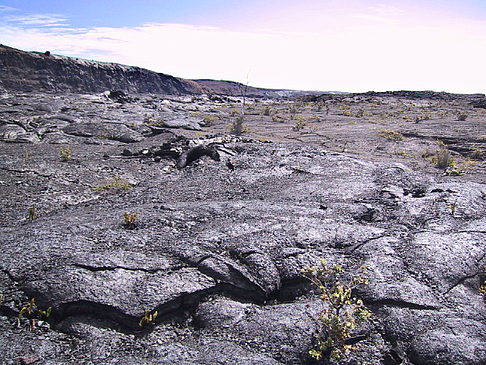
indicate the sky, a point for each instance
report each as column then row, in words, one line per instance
column 327, row 45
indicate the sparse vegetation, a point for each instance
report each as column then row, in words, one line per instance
column 477, row 154
column 453, row 207
column 154, row 122
column 441, row 158
column 482, row 288
column 403, row 154
column 130, row 220
column 390, row 134
column 422, row 117
column 234, row 113
column 346, row 110
column 209, row 119
column 299, row 126
column 238, row 128
column 117, row 184
column 343, row 312
column 33, row 314
column 461, row 168
column 462, row 116
column 148, row 318
column 65, row 153
column 31, row 211
column 293, row 110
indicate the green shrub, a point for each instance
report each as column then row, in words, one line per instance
column 343, row 312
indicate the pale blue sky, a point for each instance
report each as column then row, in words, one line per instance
column 346, row 45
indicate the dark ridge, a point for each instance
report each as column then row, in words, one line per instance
column 34, row 71
column 44, row 72
column 427, row 94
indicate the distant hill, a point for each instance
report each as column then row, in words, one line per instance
column 46, row 72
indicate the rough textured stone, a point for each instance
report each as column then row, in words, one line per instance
column 218, row 244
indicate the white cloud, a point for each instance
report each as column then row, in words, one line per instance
column 37, row 20
column 4, row 8
column 363, row 57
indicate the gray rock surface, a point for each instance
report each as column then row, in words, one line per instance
column 217, row 246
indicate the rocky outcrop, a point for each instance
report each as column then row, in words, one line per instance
column 32, row 71
column 46, row 72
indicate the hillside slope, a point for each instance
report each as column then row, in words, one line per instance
column 45, row 72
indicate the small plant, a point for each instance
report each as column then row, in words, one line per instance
column 65, row 153
column 31, row 211
column 234, row 113
column 299, row 126
column 403, row 154
column 422, row 117
column 346, row 110
column 209, row 120
column 293, row 110
column 455, row 169
column 160, row 122
column 33, row 314
column 148, row 318
column 453, row 207
column 482, row 288
column 117, row 184
column 477, row 154
column 344, row 147
column 343, row 313
column 443, row 158
column 267, row 111
column 462, row 116
column 390, row 134
column 129, row 220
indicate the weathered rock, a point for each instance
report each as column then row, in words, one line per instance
column 117, row 132
column 217, row 247
column 15, row 133
column 186, row 123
